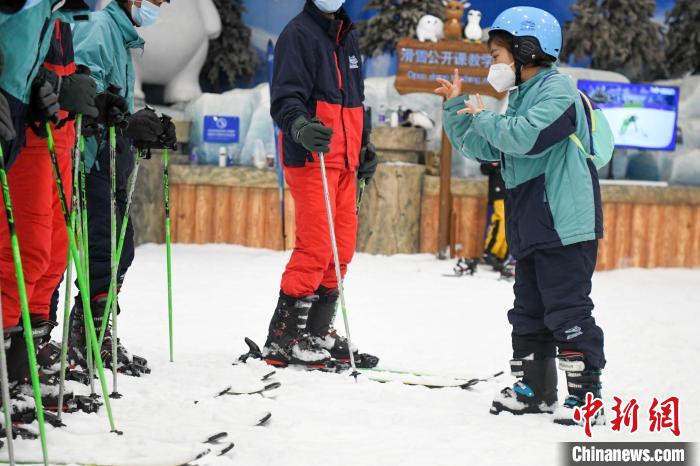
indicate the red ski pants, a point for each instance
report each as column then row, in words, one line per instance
column 40, row 226
column 312, row 262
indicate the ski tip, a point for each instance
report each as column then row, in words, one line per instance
column 264, row 420
column 272, row 386
column 216, row 437
column 227, row 449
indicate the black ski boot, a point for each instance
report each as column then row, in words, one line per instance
column 288, row 341
column 77, row 344
column 534, row 393
column 580, row 380
column 320, row 325
column 22, row 407
column 466, row 266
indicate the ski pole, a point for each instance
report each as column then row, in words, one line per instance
column 120, row 244
column 338, row 275
column 363, row 184
column 166, row 192
column 81, row 280
column 280, row 183
column 85, row 257
column 275, row 133
column 24, row 304
column 113, row 254
column 69, row 266
column 4, row 381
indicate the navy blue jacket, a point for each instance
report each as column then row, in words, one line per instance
column 318, row 73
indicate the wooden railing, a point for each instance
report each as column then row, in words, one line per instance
column 645, row 226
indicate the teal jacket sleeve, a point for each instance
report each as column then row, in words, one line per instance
column 91, row 50
column 550, row 120
column 460, row 130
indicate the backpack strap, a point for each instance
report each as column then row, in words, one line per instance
column 590, row 120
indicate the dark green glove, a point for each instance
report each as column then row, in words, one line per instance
column 77, row 95
column 312, row 135
column 368, row 163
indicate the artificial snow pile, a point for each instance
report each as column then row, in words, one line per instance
column 402, row 309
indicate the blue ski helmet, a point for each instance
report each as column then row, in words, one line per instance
column 526, row 23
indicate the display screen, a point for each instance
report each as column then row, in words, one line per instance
column 641, row 116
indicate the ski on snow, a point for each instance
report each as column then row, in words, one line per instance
column 424, row 379
column 214, row 445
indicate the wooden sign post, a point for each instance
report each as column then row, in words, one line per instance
column 420, row 64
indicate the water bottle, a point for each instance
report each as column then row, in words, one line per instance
column 382, row 116
column 194, row 156
column 223, row 155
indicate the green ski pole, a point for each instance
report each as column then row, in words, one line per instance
column 166, row 192
column 26, row 319
column 85, row 257
column 120, row 245
column 363, row 184
column 4, row 381
column 69, row 266
column 81, row 281
column 113, row 255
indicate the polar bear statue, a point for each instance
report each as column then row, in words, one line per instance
column 176, row 48
column 430, row 28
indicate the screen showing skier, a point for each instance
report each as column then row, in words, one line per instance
column 641, row 116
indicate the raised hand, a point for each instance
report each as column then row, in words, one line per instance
column 450, row 90
column 472, row 108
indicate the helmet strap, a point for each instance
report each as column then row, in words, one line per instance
column 518, row 73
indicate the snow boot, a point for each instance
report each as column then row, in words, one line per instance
column 580, row 380
column 22, row 407
column 127, row 364
column 288, row 341
column 320, row 324
column 534, row 393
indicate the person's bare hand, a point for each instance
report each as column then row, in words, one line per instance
column 450, row 90
column 472, row 108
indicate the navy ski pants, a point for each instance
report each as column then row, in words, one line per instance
column 98, row 188
column 552, row 305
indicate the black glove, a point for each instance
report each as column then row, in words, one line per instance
column 112, row 110
column 167, row 140
column 312, row 135
column 7, row 129
column 368, row 163
column 145, row 127
column 44, row 104
column 10, row 7
column 77, row 95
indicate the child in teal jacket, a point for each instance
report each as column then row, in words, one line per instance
column 553, row 209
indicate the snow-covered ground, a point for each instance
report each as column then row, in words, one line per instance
column 401, row 309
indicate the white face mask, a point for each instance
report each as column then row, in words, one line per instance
column 501, row 76
column 145, row 15
column 329, row 6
